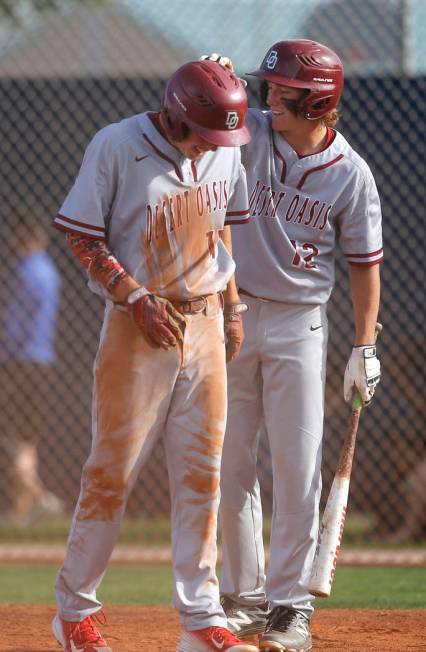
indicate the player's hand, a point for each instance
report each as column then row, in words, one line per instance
column 234, row 335
column 161, row 324
column 362, row 373
column 225, row 62
column 234, row 332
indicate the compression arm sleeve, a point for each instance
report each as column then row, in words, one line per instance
column 99, row 261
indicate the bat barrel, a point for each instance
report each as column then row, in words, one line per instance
column 329, row 539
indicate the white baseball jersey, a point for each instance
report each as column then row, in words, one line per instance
column 160, row 212
column 300, row 207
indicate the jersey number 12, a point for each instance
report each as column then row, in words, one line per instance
column 306, row 261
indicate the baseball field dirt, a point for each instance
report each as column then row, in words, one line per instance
column 26, row 628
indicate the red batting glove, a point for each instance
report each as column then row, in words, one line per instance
column 161, row 324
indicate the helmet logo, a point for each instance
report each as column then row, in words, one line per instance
column 272, row 59
column 322, row 79
column 231, row 119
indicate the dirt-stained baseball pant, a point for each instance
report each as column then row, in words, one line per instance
column 280, row 373
column 140, row 393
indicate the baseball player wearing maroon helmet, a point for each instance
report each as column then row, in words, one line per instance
column 308, row 189
column 145, row 217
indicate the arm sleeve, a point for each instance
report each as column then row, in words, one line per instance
column 89, row 201
column 360, row 224
column 99, row 261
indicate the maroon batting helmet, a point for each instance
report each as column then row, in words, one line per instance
column 309, row 65
column 205, row 97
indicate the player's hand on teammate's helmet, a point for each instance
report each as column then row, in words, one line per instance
column 223, row 61
column 162, row 325
column 362, row 373
column 226, row 62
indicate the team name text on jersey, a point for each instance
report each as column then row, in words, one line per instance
column 173, row 211
column 289, row 207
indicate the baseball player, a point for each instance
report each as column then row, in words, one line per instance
column 145, row 217
column 308, row 190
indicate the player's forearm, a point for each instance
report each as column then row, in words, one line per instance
column 230, row 294
column 365, row 287
column 102, row 265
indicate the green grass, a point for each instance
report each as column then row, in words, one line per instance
column 48, row 530
column 379, row 588
column 157, row 531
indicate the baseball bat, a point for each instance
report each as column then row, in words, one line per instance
column 333, row 520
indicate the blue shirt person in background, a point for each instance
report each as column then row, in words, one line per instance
column 29, row 296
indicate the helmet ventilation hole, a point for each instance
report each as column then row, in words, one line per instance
column 309, row 60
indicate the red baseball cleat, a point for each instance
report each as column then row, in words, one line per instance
column 79, row 637
column 213, row 639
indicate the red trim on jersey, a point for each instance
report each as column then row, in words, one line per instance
column 370, row 264
column 232, row 222
column 65, row 229
column 155, row 119
column 372, row 253
column 166, row 158
column 330, row 136
column 246, row 212
column 194, row 171
column 237, row 214
column 282, row 159
column 83, row 225
column 317, row 169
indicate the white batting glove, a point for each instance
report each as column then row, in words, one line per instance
column 362, row 373
column 223, row 61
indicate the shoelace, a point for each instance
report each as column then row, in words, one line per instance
column 283, row 617
column 86, row 629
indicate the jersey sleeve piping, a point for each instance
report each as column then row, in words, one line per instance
column 282, row 159
column 318, row 169
column 232, row 217
column 369, row 259
column 74, row 226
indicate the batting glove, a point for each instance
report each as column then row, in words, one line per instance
column 225, row 62
column 161, row 324
column 234, row 332
column 362, row 373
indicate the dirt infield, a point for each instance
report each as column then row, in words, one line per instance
column 26, row 628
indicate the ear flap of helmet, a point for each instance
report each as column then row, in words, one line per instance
column 313, row 107
column 263, row 92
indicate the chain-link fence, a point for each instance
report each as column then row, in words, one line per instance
column 66, row 73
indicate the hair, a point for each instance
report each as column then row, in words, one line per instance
column 331, row 118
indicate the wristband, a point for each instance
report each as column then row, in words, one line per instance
column 234, row 308
column 135, row 295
